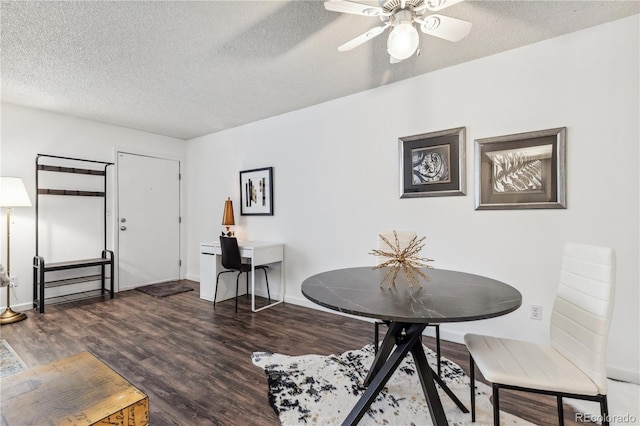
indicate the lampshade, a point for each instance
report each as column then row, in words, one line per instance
column 403, row 41
column 13, row 193
column 227, row 216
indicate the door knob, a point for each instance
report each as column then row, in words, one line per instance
column 123, row 220
column 123, row 228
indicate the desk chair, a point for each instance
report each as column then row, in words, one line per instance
column 573, row 364
column 232, row 261
column 404, row 238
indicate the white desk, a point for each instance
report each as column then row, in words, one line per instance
column 260, row 253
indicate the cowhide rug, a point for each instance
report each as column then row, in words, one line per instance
column 315, row 389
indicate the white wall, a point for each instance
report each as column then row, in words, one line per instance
column 336, row 176
column 25, row 133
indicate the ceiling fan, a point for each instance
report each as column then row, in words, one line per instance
column 401, row 15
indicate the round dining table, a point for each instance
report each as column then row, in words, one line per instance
column 448, row 296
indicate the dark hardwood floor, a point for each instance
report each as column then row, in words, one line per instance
column 194, row 363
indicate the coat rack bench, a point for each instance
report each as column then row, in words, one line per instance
column 87, row 267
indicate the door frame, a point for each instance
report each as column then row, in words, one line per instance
column 115, row 207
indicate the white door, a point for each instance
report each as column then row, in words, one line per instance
column 148, row 220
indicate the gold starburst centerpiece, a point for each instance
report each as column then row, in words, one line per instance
column 406, row 259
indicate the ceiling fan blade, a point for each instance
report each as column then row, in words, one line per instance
column 345, row 6
column 436, row 5
column 445, row 27
column 373, row 32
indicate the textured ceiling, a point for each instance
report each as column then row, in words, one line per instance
column 189, row 68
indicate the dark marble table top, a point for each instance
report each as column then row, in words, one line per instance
column 449, row 296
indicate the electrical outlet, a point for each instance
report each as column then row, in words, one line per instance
column 14, row 281
column 535, row 312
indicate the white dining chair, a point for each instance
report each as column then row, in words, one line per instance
column 404, row 238
column 573, row 364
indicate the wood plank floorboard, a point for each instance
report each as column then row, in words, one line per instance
column 194, row 362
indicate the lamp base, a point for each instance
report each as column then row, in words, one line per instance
column 9, row 316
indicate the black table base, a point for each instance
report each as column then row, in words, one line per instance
column 405, row 338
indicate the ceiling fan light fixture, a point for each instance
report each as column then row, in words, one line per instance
column 372, row 11
column 403, row 41
column 436, row 5
column 430, row 24
column 401, row 15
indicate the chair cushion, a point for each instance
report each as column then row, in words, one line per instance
column 528, row 365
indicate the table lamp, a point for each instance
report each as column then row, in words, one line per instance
column 227, row 217
column 12, row 194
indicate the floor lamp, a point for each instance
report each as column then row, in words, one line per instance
column 12, row 194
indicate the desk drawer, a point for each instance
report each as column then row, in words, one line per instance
column 265, row 255
column 210, row 249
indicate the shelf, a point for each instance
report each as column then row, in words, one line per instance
column 75, row 170
column 75, row 280
column 75, row 264
column 73, row 192
column 72, row 297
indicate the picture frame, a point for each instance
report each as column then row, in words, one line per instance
column 521, row 171
column 433, row 164
column 256, row 192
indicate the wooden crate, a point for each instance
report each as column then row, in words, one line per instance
column 77, row 390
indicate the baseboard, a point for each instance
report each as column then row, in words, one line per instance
column 458, row 337
column 20, row 307
column 455, row 337
column 623, row 375
column 615, row 373
column 192, row 277
column 308, row 304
